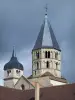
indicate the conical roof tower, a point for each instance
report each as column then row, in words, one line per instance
column 46, row 53
column 46, row 37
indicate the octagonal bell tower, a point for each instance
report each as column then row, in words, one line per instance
column 46, row 54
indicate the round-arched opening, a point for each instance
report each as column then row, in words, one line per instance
column 56, row 55
column 22, row 87
column 37, row 65
column 47, row 64
column 48, row 54
column 45, row 54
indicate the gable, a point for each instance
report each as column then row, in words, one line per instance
column 23, row 81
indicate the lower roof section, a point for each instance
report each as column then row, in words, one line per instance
column 64, row 92
column 50, row 77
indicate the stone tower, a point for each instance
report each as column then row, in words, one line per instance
column 13, row 70
column 46, row 54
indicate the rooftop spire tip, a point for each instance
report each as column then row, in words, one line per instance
column 13, row 53
column 46, row 9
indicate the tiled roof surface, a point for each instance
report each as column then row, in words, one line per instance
column 54, row 78
column 64, row 92
column 43, row 81
column 51, row 77
column 34, row 83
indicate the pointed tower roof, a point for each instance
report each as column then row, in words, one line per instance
column 46, row 37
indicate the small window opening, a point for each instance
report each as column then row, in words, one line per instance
column 56, row 55
column 35, row 72
column 22, row 87
column 37, row 65
column 8, row 72
column 47, row 64
column 48, row 54
column 17, row 71
column 37, row 54
column 56, row 65
column 45, row 54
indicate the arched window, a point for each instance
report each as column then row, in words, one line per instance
column 48, row 54
column 17, row 71
column 37, row 55
column 22, row 87
column 47, row 64
column 45, row 54
column 8, row 72
column 56, row 65
column 56, row 55
column 35, row 72
column 37, row 65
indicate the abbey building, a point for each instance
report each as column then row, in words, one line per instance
column 46, row 63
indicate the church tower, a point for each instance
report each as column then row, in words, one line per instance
column 13, row 70
column 46, row 54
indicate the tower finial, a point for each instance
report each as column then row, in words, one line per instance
column 13, row 52
column 46, row 8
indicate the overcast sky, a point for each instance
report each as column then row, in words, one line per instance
column 20, row 22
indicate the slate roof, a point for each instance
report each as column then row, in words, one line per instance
column 54, row 78
column 51, row 77
column 34, row 83
column 46, row 37
column 64, row 92
column 47, row 74
column 43, row 81
column 13, row 63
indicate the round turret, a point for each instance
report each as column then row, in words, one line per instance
column 13, row 70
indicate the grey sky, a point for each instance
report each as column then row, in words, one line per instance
column 20, row 22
